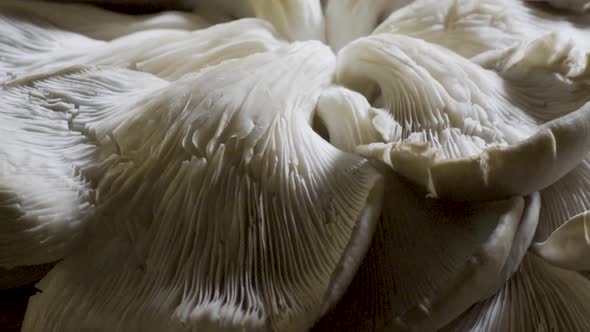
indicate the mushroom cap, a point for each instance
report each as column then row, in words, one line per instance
column 35, row 46
column 538, row 297
column 553, row 59
column 179, row 174
column 473, row 27
column 431, row 260
column 45, row 198
column 464, row 124
column 564, row 200
column 269, row 222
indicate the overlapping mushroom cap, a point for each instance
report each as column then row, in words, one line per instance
column 460, row 121
column 209, row 171
column 214, row 186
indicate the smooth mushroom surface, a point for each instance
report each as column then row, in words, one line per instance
column 297, row 165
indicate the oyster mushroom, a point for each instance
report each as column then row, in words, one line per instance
column 553, row 59
column 196, row 195
column 217, row 207
column 465, row 252
column 369, row 306
column 430, row 260
column 464, row 124
column 36, row 47
column 473, row 27
column 28, row 41
column 46, row 200
column 540, row 297
column 563, row 196
column 564, row 200
column 524, row 44
column 16, row 277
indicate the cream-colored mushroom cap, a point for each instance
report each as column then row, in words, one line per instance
column 215, row 204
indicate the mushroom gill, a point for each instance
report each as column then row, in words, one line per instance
column 35, row 46
column 238, row 167
column 465, row 124
column 217, row 207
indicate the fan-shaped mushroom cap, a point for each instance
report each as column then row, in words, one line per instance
column 471, row 27
column 45, row 199
column 464, row 124
column 431, row 260
column 217, row 206
column 294, row 19
column 99, row 23
column 539, row 297
column 31, row 48
column 566, row 198
column 26, row 41
column 534, row 63
column 524, row 44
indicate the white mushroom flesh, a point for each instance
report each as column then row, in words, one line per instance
column 484, row 135
column 217, row 206
column 206, row 171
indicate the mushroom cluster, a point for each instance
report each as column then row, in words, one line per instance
column 264, row 165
